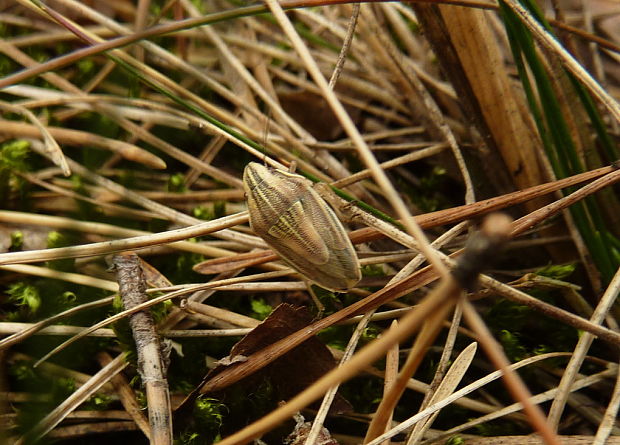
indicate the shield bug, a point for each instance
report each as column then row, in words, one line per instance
column 297, row 223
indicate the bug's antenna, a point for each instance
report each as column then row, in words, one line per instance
column 266, row 135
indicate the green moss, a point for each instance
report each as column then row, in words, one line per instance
column 370, row 333
column 7, row 66
column 13, row 157
column 26, row 296
column 48, row 392
column 86, row 210
column 17, row 240
column 219, row 209
column 176, row 183
column 331, row 301
column 336, row 336
column 525, row 332
column 208, row 214
column 202, row 212
column 498, row 427
column 200, row 5
column 98, row 402
column 161, row 310
column 209, row 411
column 512, row 346
column 373, row 270
column 260, row 309
column 430, row 193
column 57, row 239
column 364, row 393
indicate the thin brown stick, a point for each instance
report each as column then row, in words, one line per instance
column 480, row 248
column 423, row 341
column 342, row 56
column 429, row 220
column 391, row 375
column 514, row 384
column 150, row 361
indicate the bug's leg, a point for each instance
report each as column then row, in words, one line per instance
column 320, row 307
column 292, row 166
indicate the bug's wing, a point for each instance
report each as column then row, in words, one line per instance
column 325, row 220
column 343, row 260
column 295, row 231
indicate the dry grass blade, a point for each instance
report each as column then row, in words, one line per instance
column 120, row 245
column 127, row 396
column 403, row 426
column 391, row 373
column 239, row 261
column 76, row 399
column 537, row 399
column 447, row 386
column 23, row 334
column 584, row 343
column 606, row 426
column 80, row 138
column 52, row 148
column 103, row 229
column 23, row 330
column 64, row 276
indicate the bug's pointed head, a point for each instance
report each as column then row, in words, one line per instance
column 253, row 174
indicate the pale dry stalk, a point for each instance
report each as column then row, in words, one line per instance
column 149, row 349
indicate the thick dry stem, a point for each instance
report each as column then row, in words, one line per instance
column 133, row 292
